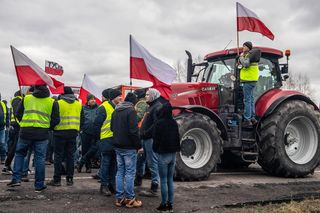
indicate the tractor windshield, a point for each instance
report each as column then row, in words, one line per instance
column 220, row 72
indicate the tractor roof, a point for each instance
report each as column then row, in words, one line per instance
column 264, row 50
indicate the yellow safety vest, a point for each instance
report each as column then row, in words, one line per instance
column 251, row 73
column 4, row 110
column 13, row 118
column 69, row 115
column 37, row 112
column 105, row 129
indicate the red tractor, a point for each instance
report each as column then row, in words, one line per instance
column 208, row 110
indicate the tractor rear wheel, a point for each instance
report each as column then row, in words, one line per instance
column 201, row 146
column 289, row 143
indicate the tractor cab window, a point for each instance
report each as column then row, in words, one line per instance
column 220, row 72
column 267, row 77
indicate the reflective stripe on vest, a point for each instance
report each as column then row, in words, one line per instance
column 105, row 129
column 4, row 110
column 251, row 73
column 37, row 112
column 13, row 117
column 69, row 115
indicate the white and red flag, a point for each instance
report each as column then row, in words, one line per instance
column 145, row 66
column 248, row 20
column 59, row 87
column 53, row 68
column 89, row 87
column 28, row 72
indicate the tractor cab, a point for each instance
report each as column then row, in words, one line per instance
column 220, row 69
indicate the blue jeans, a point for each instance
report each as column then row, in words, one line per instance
column 40, row 149
column 3, row 145
column 26, row 162
column 126, row 161
column 152, row 160
column 141, row 164
column 108, row 162
column 249, row 107
column 166, row 164
column 63, row 149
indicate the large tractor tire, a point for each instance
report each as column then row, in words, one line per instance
column 289, row 140
column 201, row 147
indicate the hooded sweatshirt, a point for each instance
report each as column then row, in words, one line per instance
column 124, row 125
column 166, row 137
column 70, row 133
column 36, row 133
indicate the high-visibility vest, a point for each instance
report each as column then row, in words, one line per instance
column 251, row 73
column 105, row 129
column 37, row 112
column 4, row 110
column 13, row 118
column 69, row 115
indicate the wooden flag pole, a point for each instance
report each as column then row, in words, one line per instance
column 238, row 51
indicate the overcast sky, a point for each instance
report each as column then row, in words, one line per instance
column 93, row 36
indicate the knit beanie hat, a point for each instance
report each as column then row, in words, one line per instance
column 113, row 93
column 248, row 44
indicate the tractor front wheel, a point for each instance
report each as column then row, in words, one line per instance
column 201, row 146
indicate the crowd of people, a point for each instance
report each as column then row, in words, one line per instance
column 123, row 135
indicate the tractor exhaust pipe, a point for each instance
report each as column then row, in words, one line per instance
column 190, row 67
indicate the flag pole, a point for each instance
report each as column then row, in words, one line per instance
column 15, row 67
column 130, row 61
column 238, row 51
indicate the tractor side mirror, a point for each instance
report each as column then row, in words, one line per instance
column 285, row 77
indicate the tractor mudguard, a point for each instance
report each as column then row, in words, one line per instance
column 270, row 100
column 206, row 111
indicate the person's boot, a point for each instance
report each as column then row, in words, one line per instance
column 79, row 166
column 88, row 170
column 104, row 190
column 138, row 181
column 54, row 183
column 154, row 187
column 111, row 189
column 69, row 181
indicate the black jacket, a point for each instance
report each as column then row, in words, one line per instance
column 124, row 125
column 70, row 133
column 88, row 114
column 99, row 119
column 14, row 106
column 166, row 137
column 4, row 123
column 150, row 119
column 36, row 133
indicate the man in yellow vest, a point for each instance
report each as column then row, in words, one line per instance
column 13, row 132
column 37, row 113
column 65, row 134
column 4, row 123
column 249, row 75
column 104, row 133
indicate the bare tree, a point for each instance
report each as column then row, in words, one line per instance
column 301, row 83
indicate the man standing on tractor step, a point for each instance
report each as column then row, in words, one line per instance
column 249, row 75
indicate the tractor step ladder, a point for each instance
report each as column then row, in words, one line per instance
column 249, row 150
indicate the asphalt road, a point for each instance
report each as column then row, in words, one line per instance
column 224, row 191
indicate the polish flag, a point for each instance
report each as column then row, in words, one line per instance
column 53, row 68
column 145, row 66
column 59, row 87
column 28, row 72
column 248, row 20
column 89, row 87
